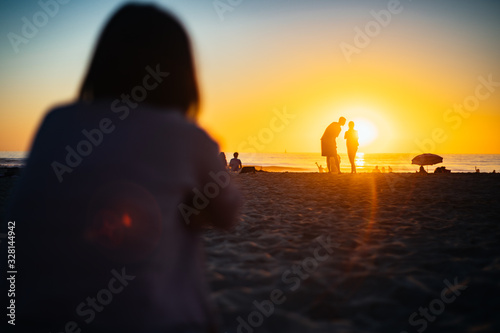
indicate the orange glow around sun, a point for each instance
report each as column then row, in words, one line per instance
column 367, row 131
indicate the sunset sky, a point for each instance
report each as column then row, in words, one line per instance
column 274, row 74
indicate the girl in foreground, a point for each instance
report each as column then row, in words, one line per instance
column 115, row 188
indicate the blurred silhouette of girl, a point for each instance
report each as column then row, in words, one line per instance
column 117, row 185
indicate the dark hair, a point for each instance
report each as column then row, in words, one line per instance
column 138, row 36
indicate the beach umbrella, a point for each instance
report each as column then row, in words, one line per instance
column 427, row 159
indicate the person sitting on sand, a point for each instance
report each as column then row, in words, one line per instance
column 115, row 213
column 352, row 142
column 320, row 168
column 376, row 170
column 442, row 169
column 422, row 170
column 235, row 163
column 389, row 169
column 329, row 144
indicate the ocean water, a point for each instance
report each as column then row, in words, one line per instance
column 12, row 159
column 305, row 162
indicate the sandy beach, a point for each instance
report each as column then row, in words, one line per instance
column 357, row 253
column 404, row 253
column 125, row 124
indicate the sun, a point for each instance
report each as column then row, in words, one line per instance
column 367, row 131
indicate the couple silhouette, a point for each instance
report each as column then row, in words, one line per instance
column 329, row 144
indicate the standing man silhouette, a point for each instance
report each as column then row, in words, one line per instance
column 329, row 144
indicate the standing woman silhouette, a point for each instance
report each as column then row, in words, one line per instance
column 351, row 136
column 115, row 189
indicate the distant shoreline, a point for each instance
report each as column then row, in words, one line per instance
column 6, row 172
column 309, row 162
column 280, row 169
